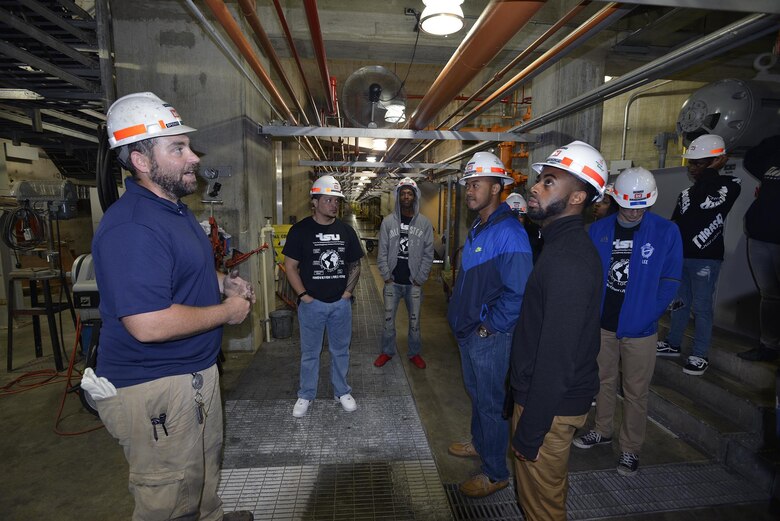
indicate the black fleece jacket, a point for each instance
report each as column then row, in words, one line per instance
column 556, row 341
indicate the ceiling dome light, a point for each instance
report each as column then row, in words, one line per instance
column 395, row 113
column 380, row 145
column 371, row 159
column 441, row 17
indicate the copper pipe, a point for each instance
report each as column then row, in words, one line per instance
column 248, row 10
column 497, row 24
column 313, row 18
column 294, row 52
column 220, row 10
column 583, row 31
column 520, row 57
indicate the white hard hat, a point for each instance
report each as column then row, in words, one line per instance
column 406, row 181
column 516, row 202
column 635, row 188
column 140, row 116
column 581, row 160
column 485, row 164
column 327, row 185
column 708, row 145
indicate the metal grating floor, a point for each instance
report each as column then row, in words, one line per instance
column 605, row 494
column 373, row 464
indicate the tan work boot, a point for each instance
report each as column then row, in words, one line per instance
column 463, row 449
column 481, row 486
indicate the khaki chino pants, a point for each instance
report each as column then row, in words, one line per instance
column 543, row 485
column 636, row 358
column 174, row 476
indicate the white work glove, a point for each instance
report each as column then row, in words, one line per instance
column 99, row 388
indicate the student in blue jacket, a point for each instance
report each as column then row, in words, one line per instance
column 641, row 254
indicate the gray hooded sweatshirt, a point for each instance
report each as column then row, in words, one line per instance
column 420, row 243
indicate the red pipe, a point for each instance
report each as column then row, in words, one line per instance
column 220, row 10
column 313, row 19
column 294, row 52
column 495, row 27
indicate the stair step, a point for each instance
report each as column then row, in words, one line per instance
column 745, row 406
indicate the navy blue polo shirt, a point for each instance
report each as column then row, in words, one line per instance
column 150, row 253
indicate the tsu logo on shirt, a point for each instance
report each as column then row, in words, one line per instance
column 328, row 237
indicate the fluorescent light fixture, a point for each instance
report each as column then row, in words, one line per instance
column 380, row 145
column 441, row 17
column 395, row 113
column 371, row 159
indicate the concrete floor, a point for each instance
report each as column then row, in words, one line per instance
column 84, row 477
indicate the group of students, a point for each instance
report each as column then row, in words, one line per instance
column 163, row 305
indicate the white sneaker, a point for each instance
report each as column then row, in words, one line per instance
column 347, row 402
column 301, row 406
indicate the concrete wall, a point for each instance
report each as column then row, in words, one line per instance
column 161, row 48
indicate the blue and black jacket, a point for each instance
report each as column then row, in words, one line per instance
column 655, row 270
column 495, row 265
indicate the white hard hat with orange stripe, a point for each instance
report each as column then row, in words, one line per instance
column 635, row 188
column 708, row 145
column 326, row 185
column 581, row 160
column 140, row 116
column 485, row 164
column 516, row 202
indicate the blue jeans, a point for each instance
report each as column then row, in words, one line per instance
column 696, row 293
column 313, row 319
column 412, row 295
column 764, row 260
column 485, row 364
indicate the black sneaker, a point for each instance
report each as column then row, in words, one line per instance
column 591, row 439
column 667, row 350
column 760, row 354
column 628, row 464
column 696, row 365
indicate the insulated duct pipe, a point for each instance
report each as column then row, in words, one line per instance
column 519, row 58
column 220, row 10
column 721, row 41
column 294, row 52
column 313, row 18
column 497, row 24
column 605, row 17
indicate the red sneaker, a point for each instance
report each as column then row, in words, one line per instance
column 418, row 361
column 382, row 360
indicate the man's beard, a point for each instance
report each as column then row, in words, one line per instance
column 172, row 183
column 553, row 209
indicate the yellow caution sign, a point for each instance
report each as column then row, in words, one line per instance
column 280, row 238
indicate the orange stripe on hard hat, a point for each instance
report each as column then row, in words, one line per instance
column 161, row 123
column 496, row 169
column 588, row 171
column 717, row 150
column 130, row 132
column 315, row 189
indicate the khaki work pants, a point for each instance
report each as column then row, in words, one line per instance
column 174, row 476
column 542, row 485
column 636, row 358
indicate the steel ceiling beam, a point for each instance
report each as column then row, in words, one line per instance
column 30, row 59
column 744, row 6
column 372, row 164
column 26, row 120
column 394, row 133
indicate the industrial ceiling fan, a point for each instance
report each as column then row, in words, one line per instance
column 374, row 97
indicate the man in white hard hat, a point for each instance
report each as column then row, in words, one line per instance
column 156, row 385
column 519, row 207
column 700, row 214
column 762, row 226
column 485, row 303
column 641, row 257
column 322, row 262
column 404, row 260
column 554, row 374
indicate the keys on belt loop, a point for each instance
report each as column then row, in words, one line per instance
column 197, row 384
column 160, row 420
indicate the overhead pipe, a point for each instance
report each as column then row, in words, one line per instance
column 248, row 10
column 497, row 24
column 719, row 42
column 296, row 56
column 630, row 102
column 519, row 58
column 313, row 19
column 603, row 18
column 220, row 10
